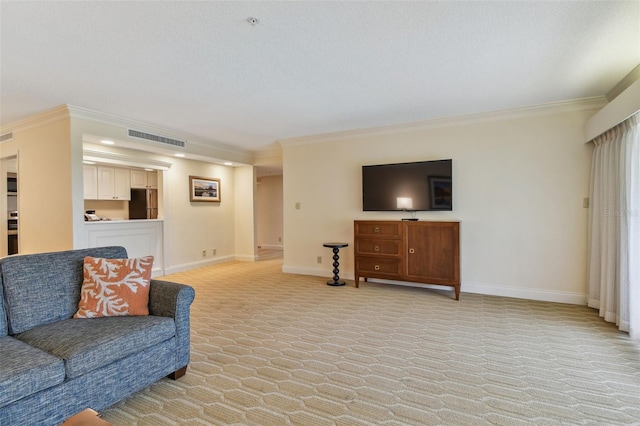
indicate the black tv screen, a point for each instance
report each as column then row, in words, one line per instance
column 417, row 186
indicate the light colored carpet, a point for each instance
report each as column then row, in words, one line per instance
column 279, row 349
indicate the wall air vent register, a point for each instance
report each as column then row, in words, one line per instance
column 156, row 138
column 6, row 137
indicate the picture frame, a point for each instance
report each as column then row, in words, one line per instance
column 440, row 192
column 204, row 189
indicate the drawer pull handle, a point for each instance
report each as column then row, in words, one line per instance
column 376, row 229
column 411, row 251
column 376, row 248
column 377, row 267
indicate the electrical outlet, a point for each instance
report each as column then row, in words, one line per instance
column 204, row 253
column 319, row 259
column 298, row 205
column 213, row 251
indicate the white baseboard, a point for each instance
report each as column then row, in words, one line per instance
column 199, row 264
column 158, row 272
column 466, row 287
column 272, row 246
column 206, row 262
column 525, row 293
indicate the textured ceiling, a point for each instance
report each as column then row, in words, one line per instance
column 307, row 67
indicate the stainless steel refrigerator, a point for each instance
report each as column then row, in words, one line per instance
column 143, row 204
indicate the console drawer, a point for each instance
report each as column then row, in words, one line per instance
column 378, row 267
column 378, row 247
column 372, row 229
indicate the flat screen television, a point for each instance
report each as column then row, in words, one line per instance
column 417, row 186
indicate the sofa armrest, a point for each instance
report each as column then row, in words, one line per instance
column 168, row 299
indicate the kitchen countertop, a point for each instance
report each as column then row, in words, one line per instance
column 122, row 221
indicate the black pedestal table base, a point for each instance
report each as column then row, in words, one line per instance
column 336, row 257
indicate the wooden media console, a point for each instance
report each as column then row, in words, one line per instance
column 419, row 252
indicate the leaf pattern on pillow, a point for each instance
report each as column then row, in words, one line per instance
column 115, row 287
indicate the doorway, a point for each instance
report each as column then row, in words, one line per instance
column 269, row 216
column 9, row 206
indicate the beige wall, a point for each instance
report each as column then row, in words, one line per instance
column 191, row 227
column 519, row 184
column 45, row 195
column 245, row 227
column 269, row 211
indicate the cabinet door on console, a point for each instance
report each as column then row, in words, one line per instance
column 432, row 252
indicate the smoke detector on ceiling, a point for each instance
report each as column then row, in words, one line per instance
column 252, row 20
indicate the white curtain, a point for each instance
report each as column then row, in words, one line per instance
column 614, row 227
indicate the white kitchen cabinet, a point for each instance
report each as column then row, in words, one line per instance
column 106, row 183
column 90, row 174
column 138, row 179
column 144, row 179
column 122, row 180
column 152, row 179
column 114, row 183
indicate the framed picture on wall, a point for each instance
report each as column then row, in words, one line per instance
column 204, row 189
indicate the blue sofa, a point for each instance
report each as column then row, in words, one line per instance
column 53, row 366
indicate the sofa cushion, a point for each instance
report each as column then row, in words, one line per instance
column 115, row 287
column 25, row 370
column 87, row 344
column 45, row 287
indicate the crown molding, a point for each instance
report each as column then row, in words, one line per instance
column 274, row 152
column 58, row 113
column 595, row 102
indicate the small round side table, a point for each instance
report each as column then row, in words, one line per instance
column 336, row 248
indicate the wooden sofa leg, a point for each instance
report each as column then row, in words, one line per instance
column 178, row 373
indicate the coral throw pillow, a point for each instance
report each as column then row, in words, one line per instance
column 115, row 287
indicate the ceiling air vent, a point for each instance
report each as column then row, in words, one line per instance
column 6, row 137
column 155, row 138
